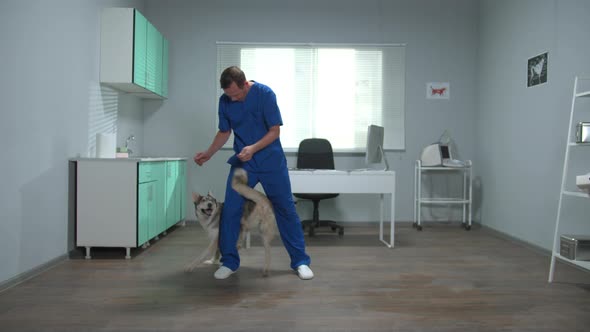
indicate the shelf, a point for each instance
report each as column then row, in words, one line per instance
column 576, row 194
column 431, row 200
column 583, row 264
column 564, row 179
column 443, row 168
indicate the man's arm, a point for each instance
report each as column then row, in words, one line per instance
column 218, row 141
column 248, row 151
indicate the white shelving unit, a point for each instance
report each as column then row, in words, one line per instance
column 563, row 192
column 466, row 199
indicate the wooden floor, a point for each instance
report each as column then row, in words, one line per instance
column 441, row 279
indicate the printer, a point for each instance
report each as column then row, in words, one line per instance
column 439, row 154
column 583, row 182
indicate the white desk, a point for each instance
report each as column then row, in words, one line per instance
column 349, row 182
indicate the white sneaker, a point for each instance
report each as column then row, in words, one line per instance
column 304, row 272
column 223, row 272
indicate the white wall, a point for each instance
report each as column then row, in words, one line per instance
column 521, row 132
column 51, row 101
column 441, row 39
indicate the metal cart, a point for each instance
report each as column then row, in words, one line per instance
column 465, row 200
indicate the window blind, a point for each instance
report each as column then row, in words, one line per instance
column 327, row 90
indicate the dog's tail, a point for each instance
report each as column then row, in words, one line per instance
column 240, row 184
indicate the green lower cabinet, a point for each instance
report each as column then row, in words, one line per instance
column 151, row 201
column 175, row 191
column 159, row 171
column 182, row 180
column 171, row 193
column 125, row 203
column 161, row 198
column 145, row 211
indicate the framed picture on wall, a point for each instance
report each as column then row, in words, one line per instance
column 537, row 70
column 438, row 90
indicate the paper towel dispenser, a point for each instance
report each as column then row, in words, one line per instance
column 106, row 145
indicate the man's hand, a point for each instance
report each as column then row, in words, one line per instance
column 246, row 153
column 201, row 157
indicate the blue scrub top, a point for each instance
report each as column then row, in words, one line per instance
column 250, row 120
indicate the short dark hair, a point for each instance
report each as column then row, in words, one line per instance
column 232, row 74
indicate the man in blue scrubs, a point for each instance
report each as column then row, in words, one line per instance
column 250, row 109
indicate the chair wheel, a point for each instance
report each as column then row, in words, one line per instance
column 419, row 227
column 333, row 228
column 311, row 231
column 341, row 233
column 467, row 228
column 414, row 225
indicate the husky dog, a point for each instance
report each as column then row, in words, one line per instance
column 257, row 212
column 208, row 212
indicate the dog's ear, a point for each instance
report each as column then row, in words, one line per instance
column 210, row 193
column 196, row 197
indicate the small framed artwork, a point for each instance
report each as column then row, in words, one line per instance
column 537, row 70
column 438, row 90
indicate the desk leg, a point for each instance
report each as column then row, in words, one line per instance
column 391, row 229
column 470, row 194
column 381, row 218
column 464, row 197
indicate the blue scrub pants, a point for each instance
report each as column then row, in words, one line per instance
column 277, row 187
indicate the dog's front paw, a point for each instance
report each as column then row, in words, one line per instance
column 189, row 268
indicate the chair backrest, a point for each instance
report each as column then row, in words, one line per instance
column 315, row 153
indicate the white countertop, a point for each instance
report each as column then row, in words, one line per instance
column 130, row 159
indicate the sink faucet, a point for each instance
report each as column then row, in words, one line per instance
column 130, row 138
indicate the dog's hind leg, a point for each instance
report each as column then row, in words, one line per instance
column 267, row 230
column 266, row 239
column 242, row 236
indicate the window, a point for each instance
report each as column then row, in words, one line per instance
column 328, row 91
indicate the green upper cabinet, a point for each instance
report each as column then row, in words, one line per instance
column 133, row 54
column 140, row 50
column 154, row 59
column 164, row 67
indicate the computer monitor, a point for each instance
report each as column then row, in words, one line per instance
column 375, row 153
column 445, row 152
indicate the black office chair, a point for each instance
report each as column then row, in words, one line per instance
column 316, row 153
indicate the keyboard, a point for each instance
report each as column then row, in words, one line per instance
column 453, row 163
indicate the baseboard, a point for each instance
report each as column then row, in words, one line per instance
column 5, row 285
column 516, row 240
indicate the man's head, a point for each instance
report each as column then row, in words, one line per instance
column 233, row 83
